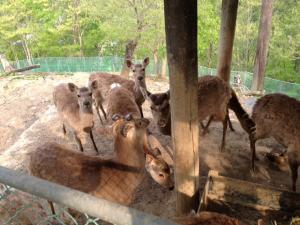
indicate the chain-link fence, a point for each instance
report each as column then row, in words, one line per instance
column 114, row 64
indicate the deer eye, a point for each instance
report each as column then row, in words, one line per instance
column 90, row 94
column 151, row 107
column 78, row 96
column 143, row 69
column 133, row 71
column 161, row 175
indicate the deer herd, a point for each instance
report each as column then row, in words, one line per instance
column 120, row 100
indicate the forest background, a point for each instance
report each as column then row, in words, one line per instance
column 73, row 28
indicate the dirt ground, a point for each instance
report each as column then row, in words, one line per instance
column 29, row 119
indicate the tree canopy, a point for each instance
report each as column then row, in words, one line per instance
column 46, row 28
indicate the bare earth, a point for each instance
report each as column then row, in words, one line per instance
column 29, row 119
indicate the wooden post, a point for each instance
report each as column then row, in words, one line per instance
column 228, row 21
column 262, row 46
column 181, row 35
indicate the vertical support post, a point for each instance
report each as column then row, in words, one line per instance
column 228, row 21
column 262, row 46
column 181, row 35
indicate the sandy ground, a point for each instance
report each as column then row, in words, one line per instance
column 29, row 119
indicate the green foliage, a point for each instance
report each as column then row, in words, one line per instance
column 103, row 27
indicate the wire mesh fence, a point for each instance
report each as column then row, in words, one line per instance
column 114, row 64
column 23, row 202
column 21, row 208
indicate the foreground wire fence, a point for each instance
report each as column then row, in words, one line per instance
column 114, row 64
column 22, row 202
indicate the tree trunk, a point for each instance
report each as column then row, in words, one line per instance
column 181, row 36
column 130, row 47
column 156, row 64
column 164, row 68
column 15, row 56
column 209, row 54
column 27, row 51
column 5, row 64
column 228, row 21
column 262, row 46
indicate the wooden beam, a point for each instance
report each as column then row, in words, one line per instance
column 23, row 69
column 181, row 35
column 262, row 46
column 228, row 21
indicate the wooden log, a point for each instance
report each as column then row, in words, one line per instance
column 23, row 69
column 228, row 21
column 181, row 35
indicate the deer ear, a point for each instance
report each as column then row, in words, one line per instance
column 128, row 63
column 72, row 87
column 156, row 152
column 146, row 62
column 149, row 158
column 94, row 85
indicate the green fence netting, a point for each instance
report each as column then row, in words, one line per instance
column 114, row 64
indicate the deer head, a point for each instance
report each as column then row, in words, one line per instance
column 160, row 107
column 159, row 169
column 84, row 96
column 138, row 70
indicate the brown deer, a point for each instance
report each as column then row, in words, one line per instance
column 213, row 98
column 114, row 179
column 207, row 218
column 278, row 116
column 74, row 106
column 121, row 101
column 100, row 83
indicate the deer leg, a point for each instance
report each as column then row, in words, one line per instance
column 253, row 150
column 205, row 129
column 229, row 122
column 141, row 111
column 294, row 169
column 51, row 207
column 97, row 109
column 103, row 111
column 92, row 138
column 64, row 129
column 78, row 142
column 225, row 121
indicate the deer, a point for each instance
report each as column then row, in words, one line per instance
column 121, row 101
column 207, row 218
column 100, row 84
column 74, row 106
column 213, row 97
column 278, row 116
column 113, row 179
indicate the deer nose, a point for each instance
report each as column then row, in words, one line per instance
column 86, row 104
column 140, row 78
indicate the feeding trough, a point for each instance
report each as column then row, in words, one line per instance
column 249, row 201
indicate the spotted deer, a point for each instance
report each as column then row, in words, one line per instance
column 278, row 116
column 100, row 83
column 74, row 106
column 113, row 179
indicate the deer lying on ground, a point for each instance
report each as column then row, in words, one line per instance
column 74, row 106
column 278, row 116
column 100, row 83
column 115, row 179
column 207, row 218
column 213, row 98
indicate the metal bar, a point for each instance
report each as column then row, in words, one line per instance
column 97, row 207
